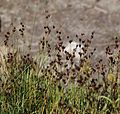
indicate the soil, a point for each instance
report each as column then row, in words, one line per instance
column 70, row 16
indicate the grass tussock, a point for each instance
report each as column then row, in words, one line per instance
column 55, row 82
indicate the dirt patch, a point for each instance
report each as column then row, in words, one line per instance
column 71, row 17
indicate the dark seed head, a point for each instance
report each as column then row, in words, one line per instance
column 70, row 41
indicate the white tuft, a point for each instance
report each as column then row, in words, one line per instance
column 74, row 45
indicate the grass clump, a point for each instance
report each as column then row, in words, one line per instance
column 55, row 82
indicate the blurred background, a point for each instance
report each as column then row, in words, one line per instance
column 71, row 17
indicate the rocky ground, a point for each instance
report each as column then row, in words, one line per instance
column 70, row 16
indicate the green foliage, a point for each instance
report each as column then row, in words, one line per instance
column 39, row 86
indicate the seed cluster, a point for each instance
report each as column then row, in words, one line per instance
column 64, row 69
column 62, row 64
